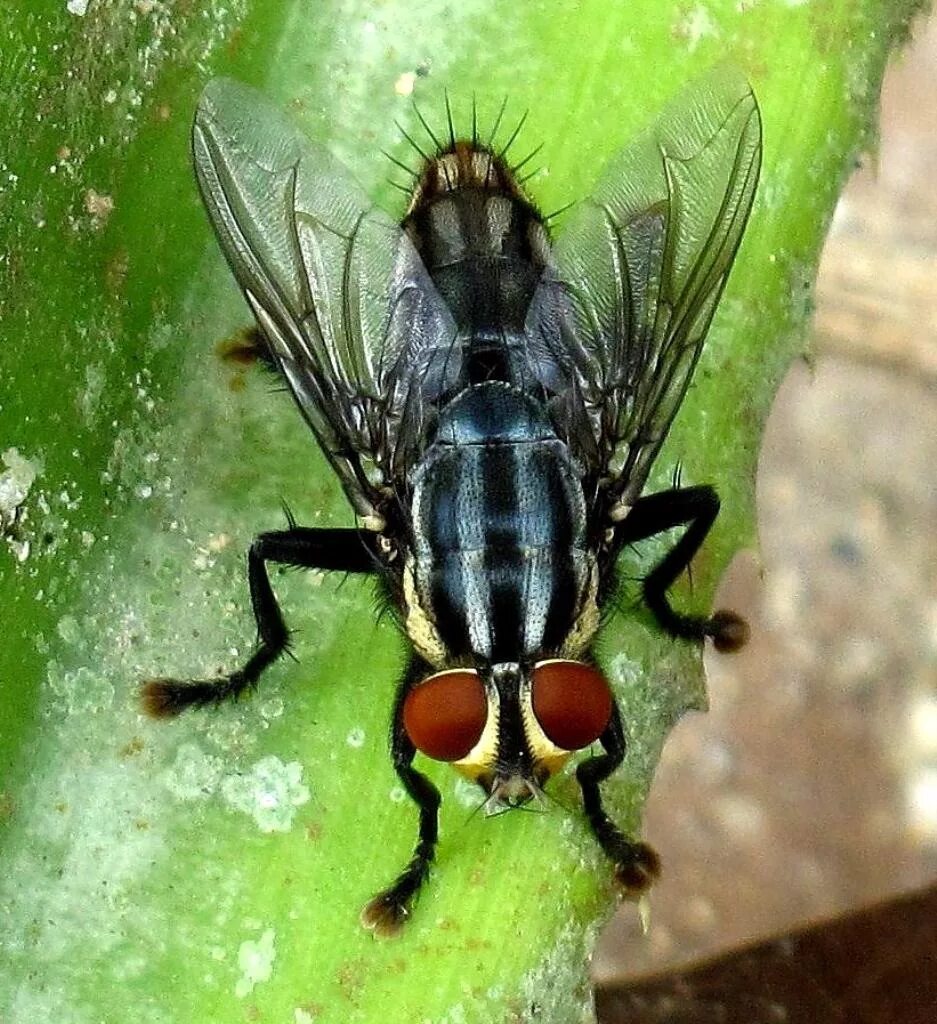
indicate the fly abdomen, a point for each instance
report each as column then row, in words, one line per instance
column 499, row 554
column 484, row 244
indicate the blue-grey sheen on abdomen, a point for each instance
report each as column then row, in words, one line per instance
column 500, row 547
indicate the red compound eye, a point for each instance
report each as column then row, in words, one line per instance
column 445, row 714
column 572, row 702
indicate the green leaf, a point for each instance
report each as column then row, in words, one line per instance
column 213, row 868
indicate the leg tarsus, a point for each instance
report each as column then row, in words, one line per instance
column 166, row 698
column 729, row 631
column 695, row 508
column 386, row 913
column 636, row 864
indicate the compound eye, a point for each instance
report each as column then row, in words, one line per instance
column 445, row 715
column 572, row 702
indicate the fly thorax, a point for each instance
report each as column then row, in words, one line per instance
column 501, row 566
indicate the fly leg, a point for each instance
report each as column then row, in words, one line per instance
column 696, row 508
column 344, row 550
column 386, row 913
column 637, row 866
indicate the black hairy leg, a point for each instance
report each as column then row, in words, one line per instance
column 387, row 912
column 695, row 508
column 343, row 550
column 636, row 864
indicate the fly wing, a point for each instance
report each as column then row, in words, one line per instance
column 639, row 272
column 353, row 320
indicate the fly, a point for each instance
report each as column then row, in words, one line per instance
column 492, row 405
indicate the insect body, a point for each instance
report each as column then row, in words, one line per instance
column 492, row 406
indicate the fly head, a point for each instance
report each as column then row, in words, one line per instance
column 507, row 726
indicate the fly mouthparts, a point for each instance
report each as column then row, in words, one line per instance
column 513, row 793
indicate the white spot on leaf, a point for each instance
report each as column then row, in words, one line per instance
column 194, row 774
column 15, row 482
column 269, row 793
column 404, row 84
column 256, row 962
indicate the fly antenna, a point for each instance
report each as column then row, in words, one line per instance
column 403, row 131
column 543, row 797
column 540, row 797
column 527, row 808
column 426, row 128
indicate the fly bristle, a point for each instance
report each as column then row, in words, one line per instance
column 497, row 124
column 403, row 131
column 456, row 161
column 558, row 212
column 513, row 136
column 449, row 122
column 527, row 159
column 427, row 129
column 399, row 163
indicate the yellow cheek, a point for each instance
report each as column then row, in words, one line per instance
column 553, row 761
column 475, row 772
column 547, row 755
column 479, row 763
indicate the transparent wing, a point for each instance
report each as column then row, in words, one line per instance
column 352, row 317
column 639, row 272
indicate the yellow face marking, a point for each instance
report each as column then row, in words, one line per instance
column 547, row 755
column 480, row 760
